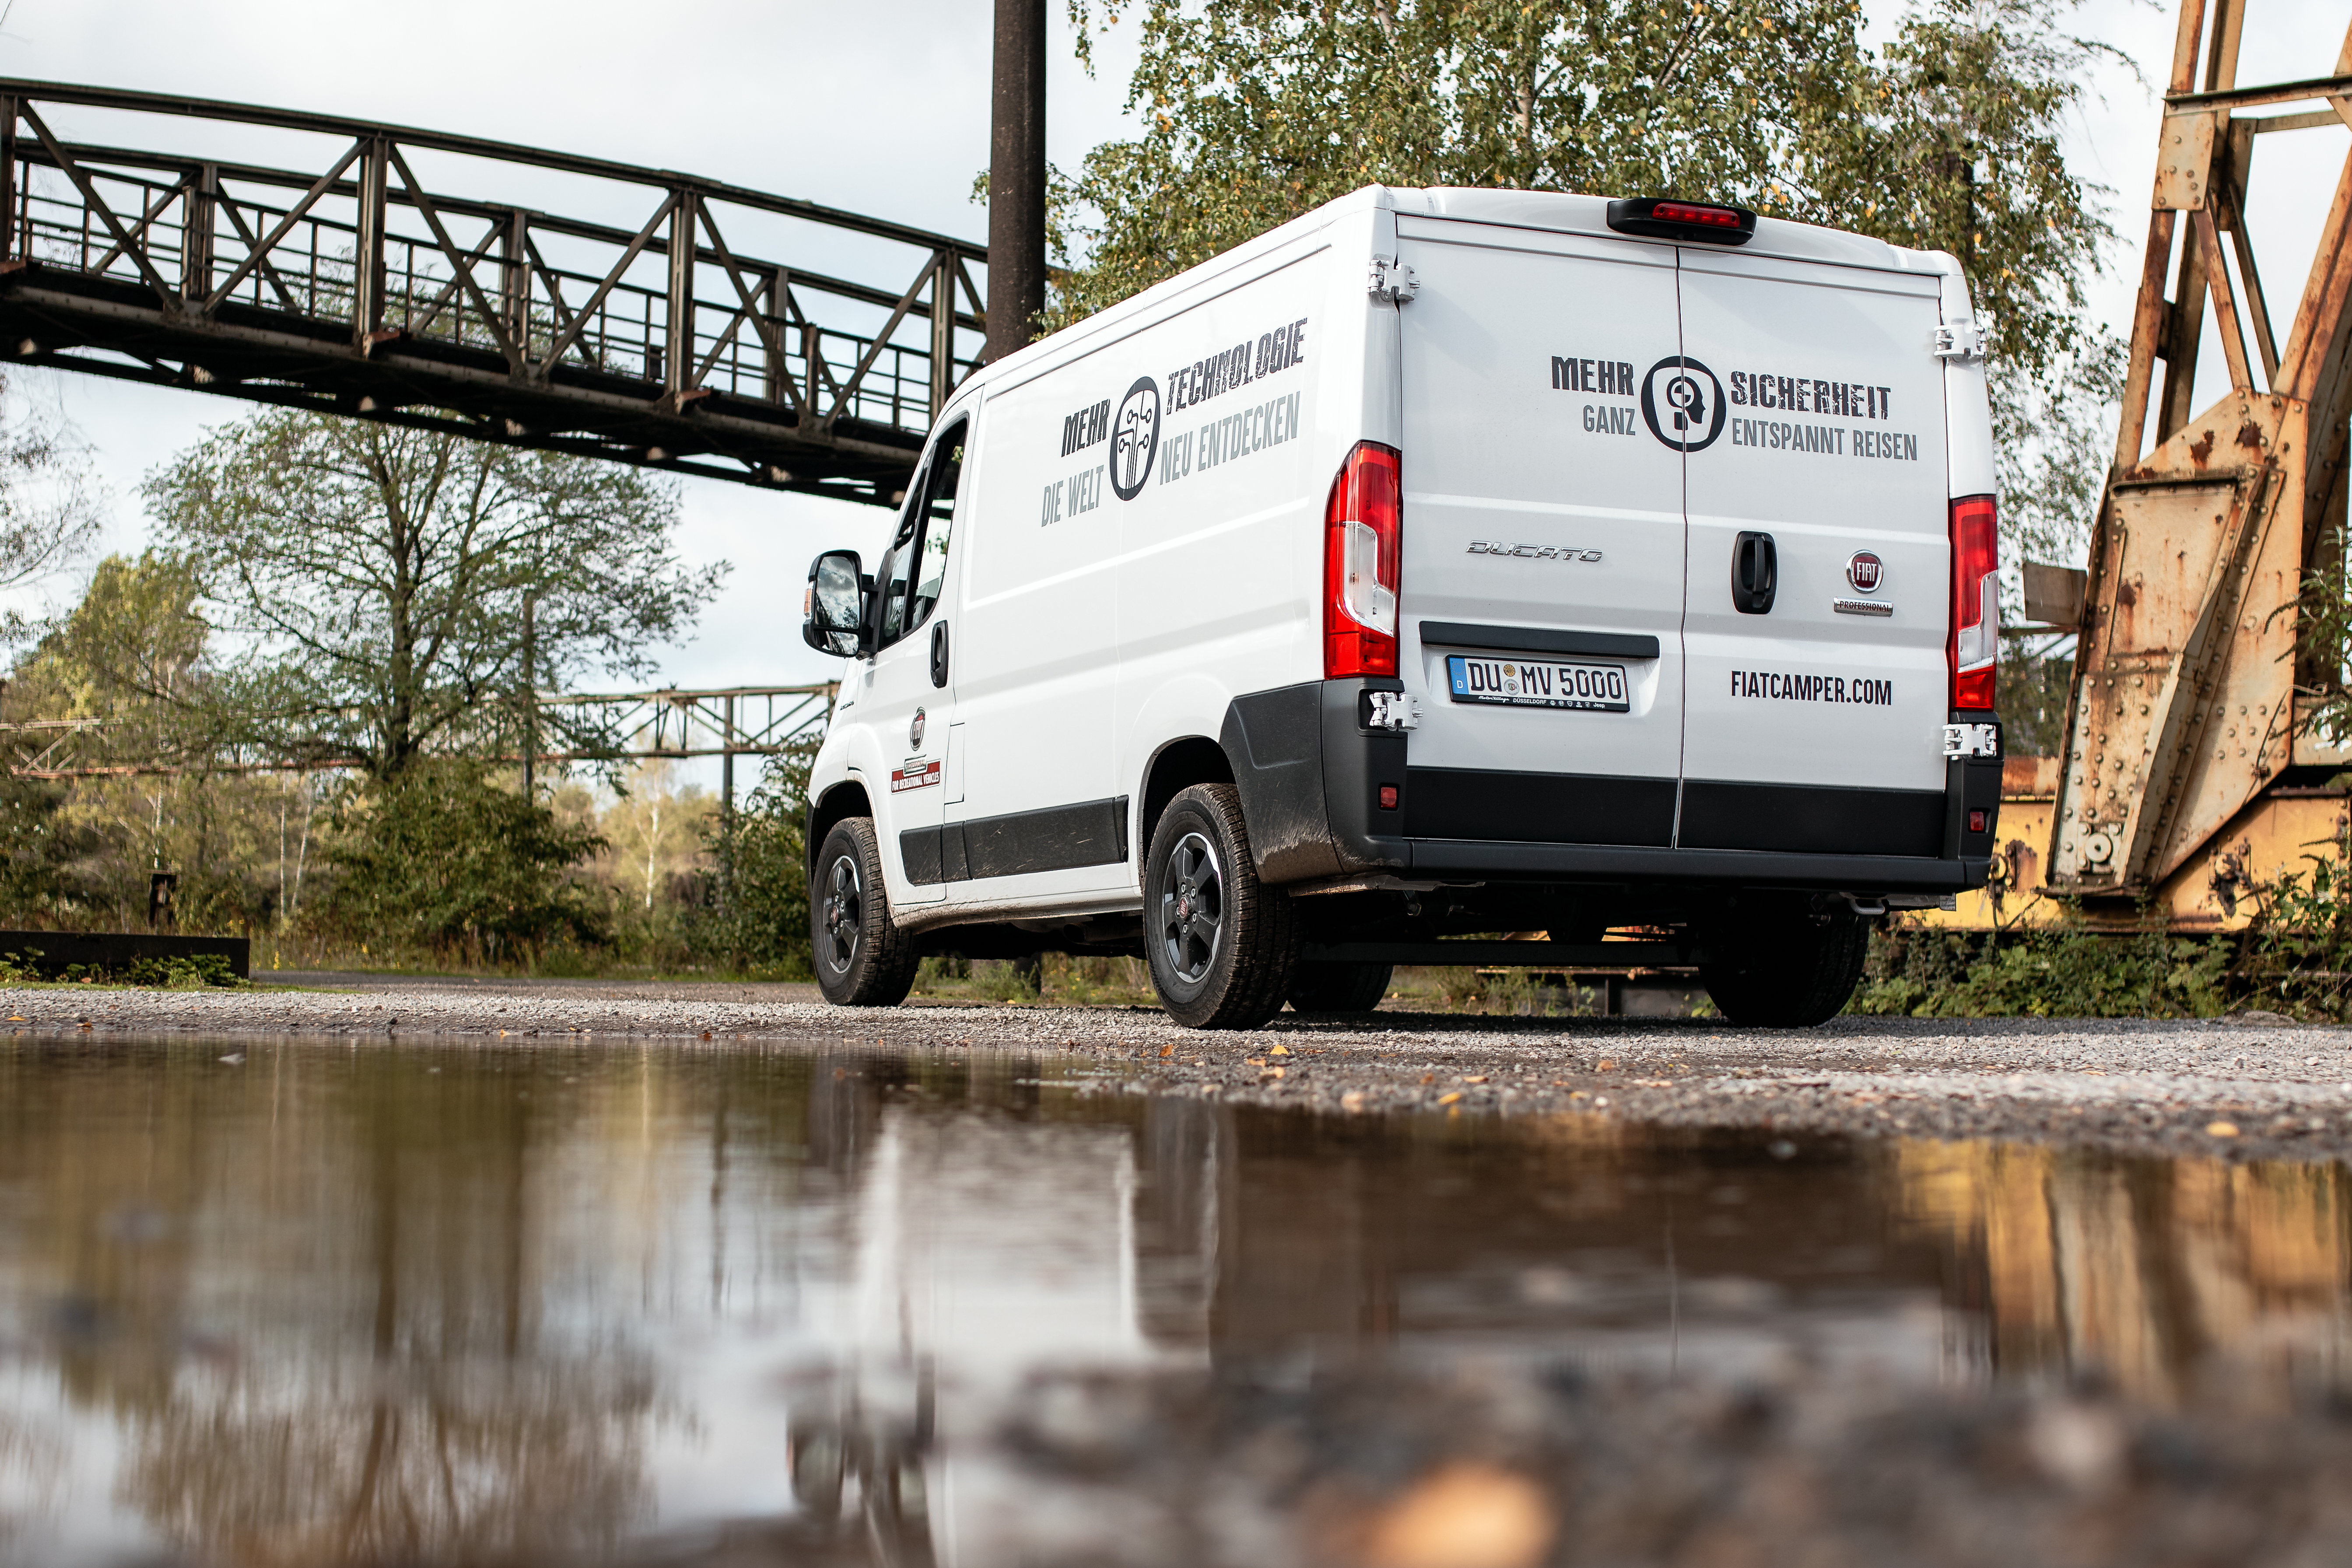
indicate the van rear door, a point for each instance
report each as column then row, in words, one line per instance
column 1543, row 566
column 1816, row 725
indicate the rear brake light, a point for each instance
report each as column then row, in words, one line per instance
column 1661, row 217
column 1362, row 541
column 1975, row 645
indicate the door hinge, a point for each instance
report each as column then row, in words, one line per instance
column 1971, row 739
column 1393, row 710
column 1393, row 281
column 1961, row 339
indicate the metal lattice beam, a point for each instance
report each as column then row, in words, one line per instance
column 350, row 288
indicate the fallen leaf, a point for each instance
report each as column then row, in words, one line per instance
column 1464, row 1516
column 1279, row 1051
column 1449, row 1098
column 1255, row 1061
column 2094, row 1072
column 1578, row 1094
column 2222, row 1129
column 14, row 1019
column 1480, row 1079
column 1274, row 1072
column 1166, row 1051
column 1604, row 1067
column 1352, row 1100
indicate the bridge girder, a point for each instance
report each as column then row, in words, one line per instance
column 353, row 289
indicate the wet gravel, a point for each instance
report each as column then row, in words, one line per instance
column 2252, row 1086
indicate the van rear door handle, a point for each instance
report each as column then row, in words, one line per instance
column 1755, row 573
column 939, row 654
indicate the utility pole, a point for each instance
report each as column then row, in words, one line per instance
column 1016, row 177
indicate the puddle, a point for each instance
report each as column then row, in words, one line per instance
column 334, row 1305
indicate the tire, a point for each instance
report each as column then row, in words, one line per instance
column 861, row 957
column 1221, row 946
column 1338, row 987
column 1784, row 966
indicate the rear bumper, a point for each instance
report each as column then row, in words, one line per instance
column 1311, row 770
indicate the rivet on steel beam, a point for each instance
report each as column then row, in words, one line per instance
column 515, row 430
column 369, row 405
column 656, row 455
column 28, row 348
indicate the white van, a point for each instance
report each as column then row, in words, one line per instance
column 1442, row 562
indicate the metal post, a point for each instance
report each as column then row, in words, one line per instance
column 677, row 361
column 514, row 280
column 8, row 248
column 779, row 290
column 530, row 698
column 1016, row 177
column 942, row 330
column 367, row 262
column 197, row 245
column 727, row 810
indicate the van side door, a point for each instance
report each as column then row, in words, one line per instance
column 906, row 708
column 1816, row 710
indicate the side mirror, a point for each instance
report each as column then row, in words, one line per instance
column 833, row 614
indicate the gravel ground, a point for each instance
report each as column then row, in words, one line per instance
column 2254, row 1086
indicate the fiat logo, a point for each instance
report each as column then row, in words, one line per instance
column 915, row 730
column 1865, row 571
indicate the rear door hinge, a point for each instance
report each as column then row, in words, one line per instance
column 1393, row 281
column 1961, row 339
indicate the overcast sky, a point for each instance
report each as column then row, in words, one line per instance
column 880, row 108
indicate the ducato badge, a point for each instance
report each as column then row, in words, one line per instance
column 1866, row 573
column 1682, row 403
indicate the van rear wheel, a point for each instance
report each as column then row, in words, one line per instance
column 1327, row 986
column 861, row 957
column 1221, row 945
column 1780, row 967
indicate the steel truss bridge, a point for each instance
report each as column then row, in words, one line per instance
column 602, row 727
column 349, row 287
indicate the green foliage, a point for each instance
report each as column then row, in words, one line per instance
column 178, row 972
column 2063, row 972
column 760, row 924
column 441, row 858
column 2032, row 695
column 1261, row 109
column 377, row 578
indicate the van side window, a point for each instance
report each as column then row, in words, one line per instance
column 915, row 570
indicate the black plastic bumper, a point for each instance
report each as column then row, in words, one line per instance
column 1327, row 794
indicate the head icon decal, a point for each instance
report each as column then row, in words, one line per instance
column 1682, row 403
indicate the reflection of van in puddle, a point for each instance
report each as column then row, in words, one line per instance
column 1443, row 562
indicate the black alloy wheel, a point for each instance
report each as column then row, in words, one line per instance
column 1191, row 908
column 862, row 958
column 1221, row 946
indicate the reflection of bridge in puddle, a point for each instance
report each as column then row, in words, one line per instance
column 437, row 1304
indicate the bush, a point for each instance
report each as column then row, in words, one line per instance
column 440, row 858
column 759, row 923
column 2067, row 970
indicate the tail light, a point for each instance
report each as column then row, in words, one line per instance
column 1362, row 541
column 1976, row 601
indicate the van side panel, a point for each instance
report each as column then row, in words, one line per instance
column 1035, row 645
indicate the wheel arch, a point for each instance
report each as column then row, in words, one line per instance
column 845, row 799
column 1175, row 767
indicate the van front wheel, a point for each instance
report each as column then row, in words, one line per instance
column 1785, row 968
column 861, row 957
column 1221, row 946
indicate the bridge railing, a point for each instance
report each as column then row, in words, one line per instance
column 536, row 326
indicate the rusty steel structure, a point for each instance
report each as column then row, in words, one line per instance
column 2190, row 778
column 348, row 286
column 591, row 728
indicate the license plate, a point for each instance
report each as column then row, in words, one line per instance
column 1524, row 683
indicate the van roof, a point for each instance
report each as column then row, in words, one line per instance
column 1553, row 210
column 1590, row 215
